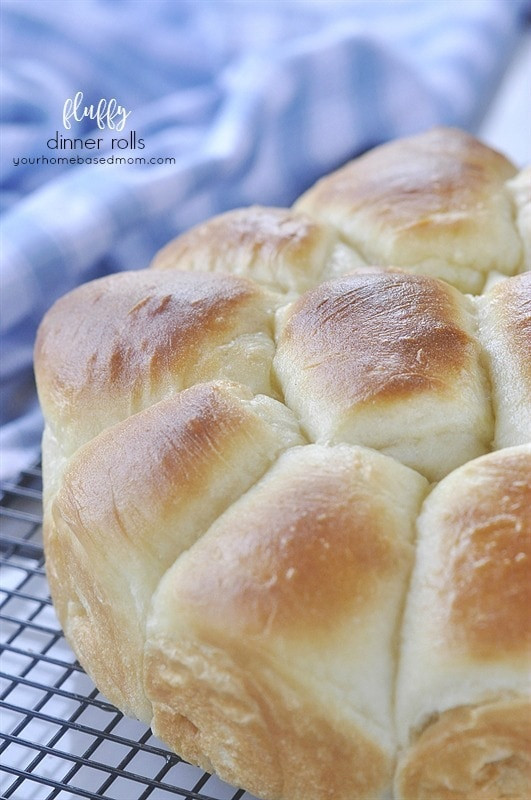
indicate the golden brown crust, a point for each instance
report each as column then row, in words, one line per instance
column 321, row 521
column 113, row 346
column 256, row 605
column 187, row 437
column 435, row 202
column 132, row 500
column 391, row 361
column 466, row 634
column 266, row 632
column 480, row 752
column 275, row 246
column 439, row 172
column 379, row 337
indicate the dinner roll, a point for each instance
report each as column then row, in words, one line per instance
column 505, row 332
column 463, row 707
column 390, row 361
column 118, row 344
column 277, row 247
column 271, row 642
column 132, row 500
column 436, row 203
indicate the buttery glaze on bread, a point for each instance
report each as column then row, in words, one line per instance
column 245, row 544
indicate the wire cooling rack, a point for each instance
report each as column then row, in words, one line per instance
column 59, row 737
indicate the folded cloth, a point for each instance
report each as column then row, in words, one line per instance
column 250, row 100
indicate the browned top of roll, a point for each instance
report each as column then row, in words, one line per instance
column 112, row 346
column 257, row 231
column 88, row 340
column 435, row 203
column 313, row 543
column 481, row 752
column 132, row 499
column 378, row 336
column 310, row 531
column 277, row 246
column 408, row 181
column 132, row 468
column 129, row 479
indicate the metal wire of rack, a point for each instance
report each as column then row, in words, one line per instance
column 60, row 739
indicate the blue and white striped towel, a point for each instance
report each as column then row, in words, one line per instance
column 253, row 99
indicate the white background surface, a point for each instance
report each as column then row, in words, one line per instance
column 507, row 126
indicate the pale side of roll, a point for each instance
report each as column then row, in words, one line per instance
column 520, row 189
column 505, row 333
column 271, row 650
column 389, row 361
column 436, row 203
column 136, row 496
column 463, row 706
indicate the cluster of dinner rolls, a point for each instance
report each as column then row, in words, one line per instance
column 287, row 469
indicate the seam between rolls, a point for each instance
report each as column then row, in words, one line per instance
column 357, row 247
column 485, row 367
column 149, row 605
column 515, row 214
column 398, row 638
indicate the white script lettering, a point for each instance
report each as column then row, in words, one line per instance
column 107, row 113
